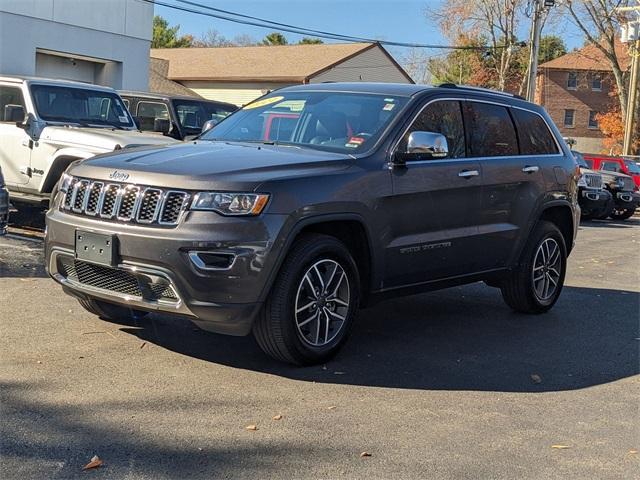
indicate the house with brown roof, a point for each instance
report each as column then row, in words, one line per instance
column 575, row 87
column 241, row 74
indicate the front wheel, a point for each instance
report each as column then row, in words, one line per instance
column 622, row 213
column 535, row 284
column 312, row 304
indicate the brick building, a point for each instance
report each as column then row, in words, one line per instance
column 577, row 86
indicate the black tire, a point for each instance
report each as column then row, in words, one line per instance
column 604, row 214
column 277, row 331
column 622, row 214
column 111, row 312
column 519, row 291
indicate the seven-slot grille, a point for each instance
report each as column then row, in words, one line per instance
column 125, row 202
column 593, row 180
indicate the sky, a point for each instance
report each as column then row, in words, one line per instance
column 398, row 20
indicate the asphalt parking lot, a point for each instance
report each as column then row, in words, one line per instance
column 450, row 384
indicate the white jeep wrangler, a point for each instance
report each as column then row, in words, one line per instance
column 47, row 124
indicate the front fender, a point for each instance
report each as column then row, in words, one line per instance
column 60, row 160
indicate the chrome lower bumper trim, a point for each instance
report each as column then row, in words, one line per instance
column 177, row 307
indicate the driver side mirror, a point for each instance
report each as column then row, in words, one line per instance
column 208, row 125
column 423, row 145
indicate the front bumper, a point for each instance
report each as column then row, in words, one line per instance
column 627, row 200
column 222, row 300
column 594, row 201
column 4, row 210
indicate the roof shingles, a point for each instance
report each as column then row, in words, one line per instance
column 287, row 63
column 589, row 58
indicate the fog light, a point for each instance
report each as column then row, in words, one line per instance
column 205, row 260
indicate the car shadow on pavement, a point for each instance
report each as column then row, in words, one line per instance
column 463, row 338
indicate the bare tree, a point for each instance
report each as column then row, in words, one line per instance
column 600, row 23
column 213, row 38
column 495, row 20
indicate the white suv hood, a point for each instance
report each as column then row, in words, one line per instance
column 101, row 138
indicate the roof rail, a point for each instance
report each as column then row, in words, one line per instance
column 479, row 89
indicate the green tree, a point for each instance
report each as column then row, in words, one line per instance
column 309, row 41
column 275, row 38
column 551, row 46
column 167, row 37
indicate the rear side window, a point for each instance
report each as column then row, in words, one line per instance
column 10, row 103
column 533, row 134
column 444, row 117
column 490, row 131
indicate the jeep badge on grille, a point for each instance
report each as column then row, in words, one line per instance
column 119, row 176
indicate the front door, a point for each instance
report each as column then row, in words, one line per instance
column 434, row 206
column 15, row 143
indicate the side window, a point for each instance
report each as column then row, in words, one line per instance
column 533, row 134
column 610, row 166
column 572, row 81
column 444, row 117
column 148, row 112
column 10, row 102
column 490, row 131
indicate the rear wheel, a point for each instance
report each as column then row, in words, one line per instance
column 535, row 285
column 622, row 213
column 313, row 303
column 109, row 311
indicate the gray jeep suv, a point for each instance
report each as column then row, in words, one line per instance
column 316, row 200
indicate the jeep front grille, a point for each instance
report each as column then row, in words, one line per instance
column 125, row 202
column 594, row 180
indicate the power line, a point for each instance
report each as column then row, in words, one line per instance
column 269, row 24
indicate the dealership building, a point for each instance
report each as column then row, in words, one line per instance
column 95, row 41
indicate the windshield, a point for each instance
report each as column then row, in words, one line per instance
column 79, row 105
column 631, row 165
column 332, row 121
column 192, row 113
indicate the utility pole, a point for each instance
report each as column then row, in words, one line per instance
column 539, row 10
column 631, row 36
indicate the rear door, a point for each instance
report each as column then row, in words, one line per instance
column 512, row 146
column 434, row 208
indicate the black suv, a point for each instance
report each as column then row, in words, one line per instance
column 286, row 230
column 4, row 205
column 176, row 116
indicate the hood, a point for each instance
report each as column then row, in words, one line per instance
column 203, row 165
column 100, row 138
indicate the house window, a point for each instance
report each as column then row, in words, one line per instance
column 593, row 121
column 572, row 81
column 569, row 118
column 596, row 83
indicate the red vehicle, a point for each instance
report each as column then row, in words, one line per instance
column 615, row 164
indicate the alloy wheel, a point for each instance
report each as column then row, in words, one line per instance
column 547, row 267
column 322, row 302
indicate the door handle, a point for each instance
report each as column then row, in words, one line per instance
column 468, row 173
column 531, row 168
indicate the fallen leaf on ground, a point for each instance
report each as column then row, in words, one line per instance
column 560, row 447
column 39, row 361
column 27, row 279
column 633, row 452
column 278, row 417
column 251, row 427
column 536, row 378
column 94, row 463
column 332, row 407
column 365, row 454
column 338, row 373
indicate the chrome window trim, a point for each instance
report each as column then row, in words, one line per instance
column 491, row 102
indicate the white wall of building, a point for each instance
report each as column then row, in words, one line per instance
column 238, row 93
column 90, row 40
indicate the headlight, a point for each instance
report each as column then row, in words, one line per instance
column 65, row 182
column 230, row 203
column 582, row 182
